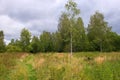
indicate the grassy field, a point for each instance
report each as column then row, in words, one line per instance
column 60, row 66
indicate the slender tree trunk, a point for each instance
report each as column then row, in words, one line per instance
column 71, row 43
column 101, row 47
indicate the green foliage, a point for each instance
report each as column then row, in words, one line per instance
column 71, row 27
column 72, row 10
column 46, row 44
column 25, row 38
column 35, row 45
column 13, row 46
column 57, row 42
column 79, row 36
column 114, row 41
column 64, row 30
column 98, row 32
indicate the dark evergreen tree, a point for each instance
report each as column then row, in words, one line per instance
column 35, row 45
column 2, row 44
column 57, row 42
column 79, row 36
column 46, row 44
column 64, row 30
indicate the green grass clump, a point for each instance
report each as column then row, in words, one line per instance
column 106, row 71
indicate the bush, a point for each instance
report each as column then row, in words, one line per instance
column 11, row 48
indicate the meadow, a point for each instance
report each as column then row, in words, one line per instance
column 60, row 66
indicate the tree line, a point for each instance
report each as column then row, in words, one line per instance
column 71, row 35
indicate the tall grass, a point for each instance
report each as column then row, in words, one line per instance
column 60, row 66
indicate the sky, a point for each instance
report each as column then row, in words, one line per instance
column 40, row 15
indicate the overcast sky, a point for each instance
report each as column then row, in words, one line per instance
column 39, row 15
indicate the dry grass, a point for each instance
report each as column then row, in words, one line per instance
column 38, row 62
column 100, row 59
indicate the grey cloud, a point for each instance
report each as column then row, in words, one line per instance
column 10, row 27
column 25, row 10
column 42, row 25
column 34, row 15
